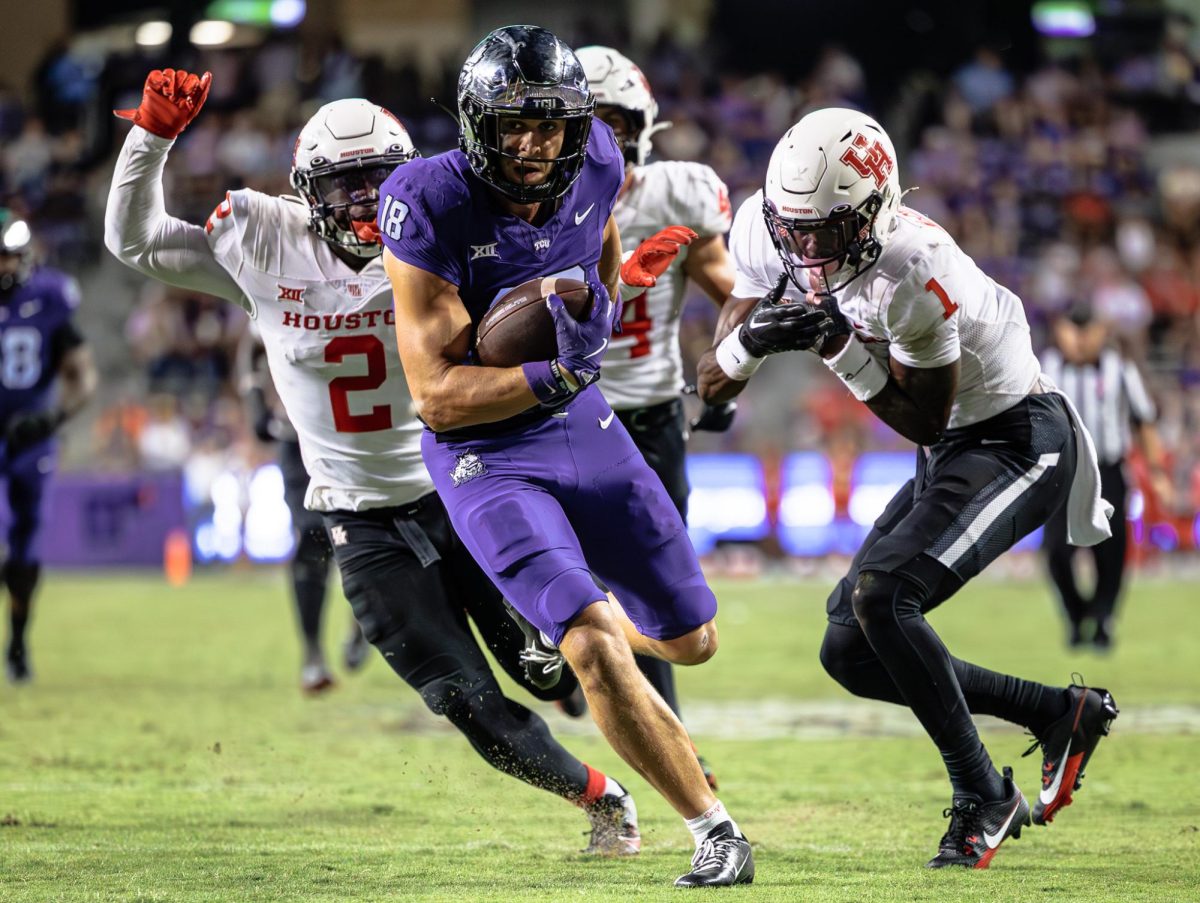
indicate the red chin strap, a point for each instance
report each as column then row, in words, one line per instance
column 367, row 231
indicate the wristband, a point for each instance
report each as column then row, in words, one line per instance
column 854, row 365
column 548, row 382
column 734, row 360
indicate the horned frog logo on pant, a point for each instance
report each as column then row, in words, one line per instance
column 467, row 468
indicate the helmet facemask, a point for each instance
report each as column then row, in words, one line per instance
column 824, row 248
column 343, row 199
column 483, row 143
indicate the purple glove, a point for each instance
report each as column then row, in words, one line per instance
column 581, row 346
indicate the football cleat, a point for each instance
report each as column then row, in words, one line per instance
column 977, row 829
column 574, row 704
column 614, row 826
column 17, row 666
column 723, row 858
column 541, row 659
column 1067, row 745
column 315, row 679
column 355, row 649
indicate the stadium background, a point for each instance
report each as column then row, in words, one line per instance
column 1063, row 165
column 1056, row 141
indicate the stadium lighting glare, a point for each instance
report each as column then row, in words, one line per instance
column 17, row 235
column 211, row 33
column 1063, row 19
column 152, row 34
column 287, row 13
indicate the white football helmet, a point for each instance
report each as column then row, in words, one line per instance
column 831, row 196
column 617, row 82
column 343, row 154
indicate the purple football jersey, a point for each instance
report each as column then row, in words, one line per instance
column 35, row 329
column 436, row 215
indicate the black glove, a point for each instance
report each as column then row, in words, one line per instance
column 774, row 327
column 838, row 325
column 25, row 430
column 715, row 418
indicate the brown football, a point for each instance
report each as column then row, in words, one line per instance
column 518, row 328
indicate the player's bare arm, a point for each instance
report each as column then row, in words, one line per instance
column 610, row 258
column 714, row 385
column 433, row 332
column 709, row 267
column 915, row 401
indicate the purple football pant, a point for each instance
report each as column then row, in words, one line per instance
column 543, row 507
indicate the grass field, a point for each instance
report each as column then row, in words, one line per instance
column 164, row 753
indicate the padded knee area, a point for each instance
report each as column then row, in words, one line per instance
column 879, row 598
column 835, row 658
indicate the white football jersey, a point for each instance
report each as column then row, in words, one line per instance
column 329, row 334
column 924, row 302
column 643, row 365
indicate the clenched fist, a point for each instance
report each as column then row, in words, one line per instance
column 170, row 100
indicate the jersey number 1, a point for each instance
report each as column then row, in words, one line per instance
column 380, row 416
column 949, row 306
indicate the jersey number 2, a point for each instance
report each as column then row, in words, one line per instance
column 380, row 416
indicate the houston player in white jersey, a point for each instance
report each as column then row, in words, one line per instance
column 941, row 353
column 308, row 269
column 675, row 215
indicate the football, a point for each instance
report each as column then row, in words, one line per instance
column 518, row 328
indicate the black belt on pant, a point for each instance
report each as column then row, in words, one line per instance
column 643, row 420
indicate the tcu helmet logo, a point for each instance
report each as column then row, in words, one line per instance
column 869, row 159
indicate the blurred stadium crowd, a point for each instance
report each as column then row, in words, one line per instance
column 1069, row 182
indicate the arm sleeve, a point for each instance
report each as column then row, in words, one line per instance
column 406, row 222
column 922, row 316
column 748, row 246
column 1141, row 405
column 141, row 234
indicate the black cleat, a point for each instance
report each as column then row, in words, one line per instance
column 723, row 858
column 542, row 660
column 574, row 704
column 977, row 829
column 17, row 666
column 614, row 826
column 1067, row 745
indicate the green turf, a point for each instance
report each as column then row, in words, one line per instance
column 165, row 754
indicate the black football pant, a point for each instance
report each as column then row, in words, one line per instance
column 1108, row 555
column 974, row 495
column 309, row 567
column 660, row 433
column 412, row 584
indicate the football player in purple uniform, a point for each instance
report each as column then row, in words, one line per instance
column 539, row 477
column 46, row 376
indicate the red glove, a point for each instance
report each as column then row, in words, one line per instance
column 652, row 257
column 170, row 100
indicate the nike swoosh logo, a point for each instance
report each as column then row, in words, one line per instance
column 580, row 217
column 1047, row 794
column 603, row 345
column 604, row 424
column 993, row 840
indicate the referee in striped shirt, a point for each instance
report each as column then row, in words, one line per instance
column 1114, row 405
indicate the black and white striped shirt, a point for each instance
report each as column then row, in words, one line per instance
column 1109, row 394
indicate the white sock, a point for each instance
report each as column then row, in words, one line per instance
column 707, row 820
column 612, row 788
